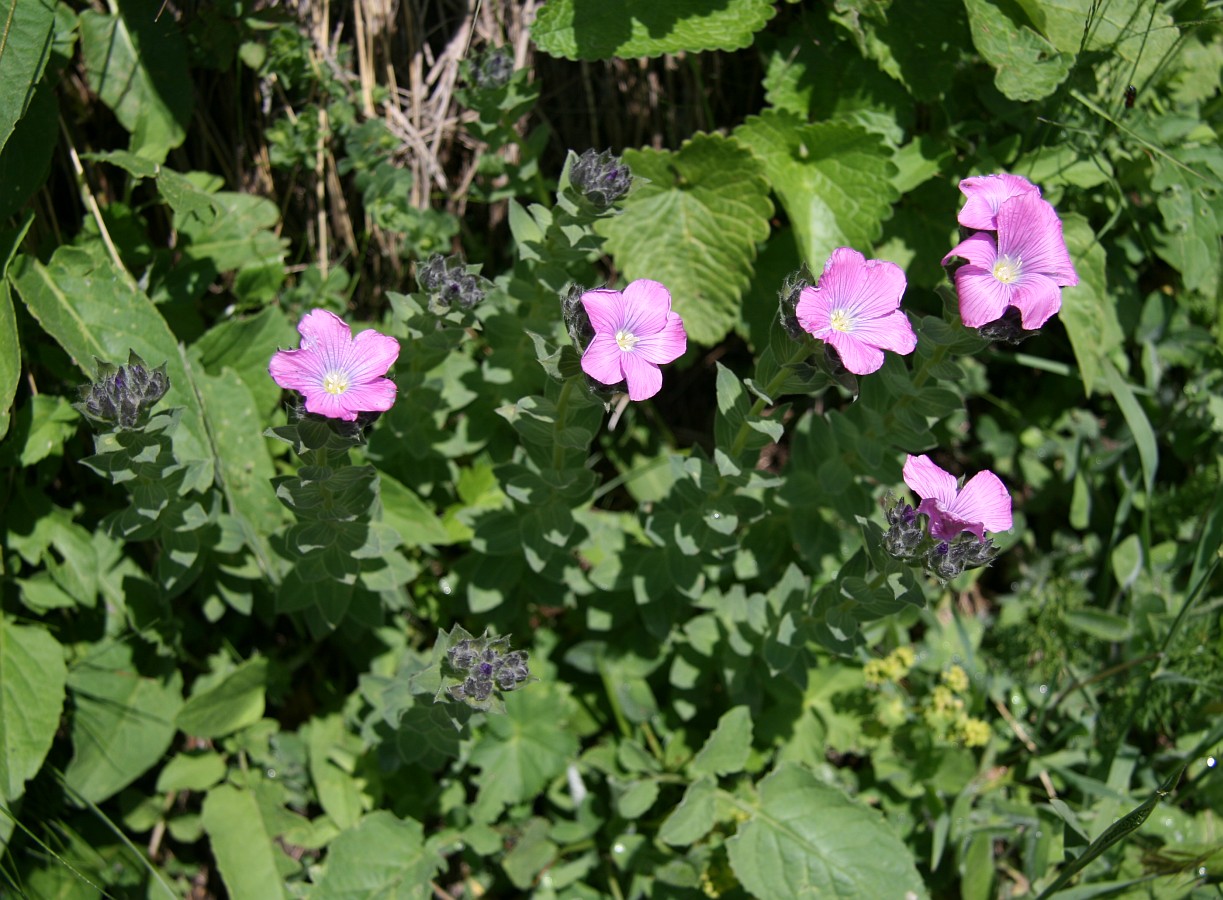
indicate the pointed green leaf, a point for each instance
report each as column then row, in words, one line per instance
column 242, row 842
column 694, row 817
column 726, row 750
column 695, row 228
column 1089, row 310
column 32, row 677
column 230, row 706
column 383, row 856
column 834, row 180
column 808, row 839
column 25, row 44
column 626, row 28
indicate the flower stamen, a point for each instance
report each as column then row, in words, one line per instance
column 840, row 320
column 1007, row 270
column 335, row 382
column 626, row 340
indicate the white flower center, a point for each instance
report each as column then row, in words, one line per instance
column 335, row 382
column 840, row 320
column 626, row 340
column 1006, row 269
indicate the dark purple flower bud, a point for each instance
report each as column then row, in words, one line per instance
column 601, row 178
column 787, row 297
column 447, row 281
column 1006, row 330
column 493, row 69
column 123, row 396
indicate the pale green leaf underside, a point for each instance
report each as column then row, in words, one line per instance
column 32, row 678
column 834, row 180
column 694, row 227
column 809, row 839
column 576, row 29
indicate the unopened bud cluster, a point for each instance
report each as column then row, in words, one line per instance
column 486, row 664
column 123, row 395
column 787, row 297
column 601, row 178
column 1006, row 330
column 907, row 541
column 493, row 69
column 447, row 281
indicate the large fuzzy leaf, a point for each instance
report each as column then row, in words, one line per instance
column 383, row 856
column 1027, row 67
column 694, row 227
column 835, row 180
column 629, row 28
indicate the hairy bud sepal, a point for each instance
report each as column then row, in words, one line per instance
column 122, row 396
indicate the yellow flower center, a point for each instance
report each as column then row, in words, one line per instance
column 335, row 382
column 626, row 340
column 1006, row 269
column 840, row 320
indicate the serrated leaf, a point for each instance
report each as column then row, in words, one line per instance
column 1089, row 311
column 382, row 856
column 695, row 228
column 834, row 180
column 242, row 843
column 25, row 39
column 233, row 704
column 807, row 838
column 136, row 62
column 32, row 678
column 1027, row 67
column 123, row 720
column 726, row 750
column 626, row 28
column 1191, row 211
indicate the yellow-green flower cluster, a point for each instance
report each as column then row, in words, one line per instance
column 891, row 669
column 947, row 715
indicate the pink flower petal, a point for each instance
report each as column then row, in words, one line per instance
column 859, row 357
column 320, row 328
column 370, row 355
column 813, row 311
column 1037, row 298
column 606, row 309
column 371, row 396
column 891, row 332
column 1029, row 230
column 986, row 193
column 983, row 298
column 332, row 406
column 667, row 345
column 984, row 499
column 643, row 377
column 979, row 249
column 296, row 370
column 647, row 304
column 927, row 480
column 601, row 360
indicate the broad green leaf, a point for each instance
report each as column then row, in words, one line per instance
column 1193, row 216
column 239, row 237
column 32, row 678
column 123, row 720
column 834, row 181
column 191, row 772
column 1027, row 67
column 726, row 750
column 231, row 705
column 94, row 310
column 806, row 838
column 694, row 817
column 694, row 227
column 532, row 853
column 242, row 843
column 637, row 799
column 26, row 159
column 339, row 792
column 25, row 45
column 413, row 519
column 136, row 61
column 520, row 752
column 574, row 29
column 1089, row 311
column 1100, row 624
column 246, row 345
column 10, row 346
column 383, row 856
column 1131, row 38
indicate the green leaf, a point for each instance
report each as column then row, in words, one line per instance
column 124, row 718
column 726, row 750
column 626, row 28
column 93, row 310
column 32, row 678
column 26, row 159
column 637, row 799
column 1132, row 39
column 241, row 840
column 523, row 750
column 835, row 181
column 229, row 706
column 25, row 44
column 694, row 817
column 10, row 346
column 383, row 856
column 1191, row 211
column 245, row 345
column 807, row 838
column 1136, row 419
column 412, row 518
column 136, row 62
column 1027, row 66
column 1089, row 311
column 1100, row 624
column 192, row 771
column 694, row 227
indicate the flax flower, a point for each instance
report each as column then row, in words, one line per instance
column 986, row 193
column 982, row 505
column 635, row 333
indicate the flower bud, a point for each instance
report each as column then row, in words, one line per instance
column 787, row 297
column 1006, row 330
column 493, row 69
column 447, row 281
column 123, row 396
column 485, row 664
column 905, row 534
column 601, row 178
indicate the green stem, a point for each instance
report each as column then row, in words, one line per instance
column 800, row 352
column 922, row 373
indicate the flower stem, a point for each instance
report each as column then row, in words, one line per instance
column 562, row 408
column 801, row 351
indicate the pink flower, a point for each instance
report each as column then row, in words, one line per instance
column 1025, row 267
column 856, row 308
column 986, row 193
column 982, row 505
column 339, row 376
column 635, row 333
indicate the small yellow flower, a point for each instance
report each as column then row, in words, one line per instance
column 956, row 679
column 973, row 732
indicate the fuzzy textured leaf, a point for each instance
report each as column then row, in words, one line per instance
column 32, row 676
column 630, row 28
column 833, row 179
column 695, row 228
column 808, row 839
